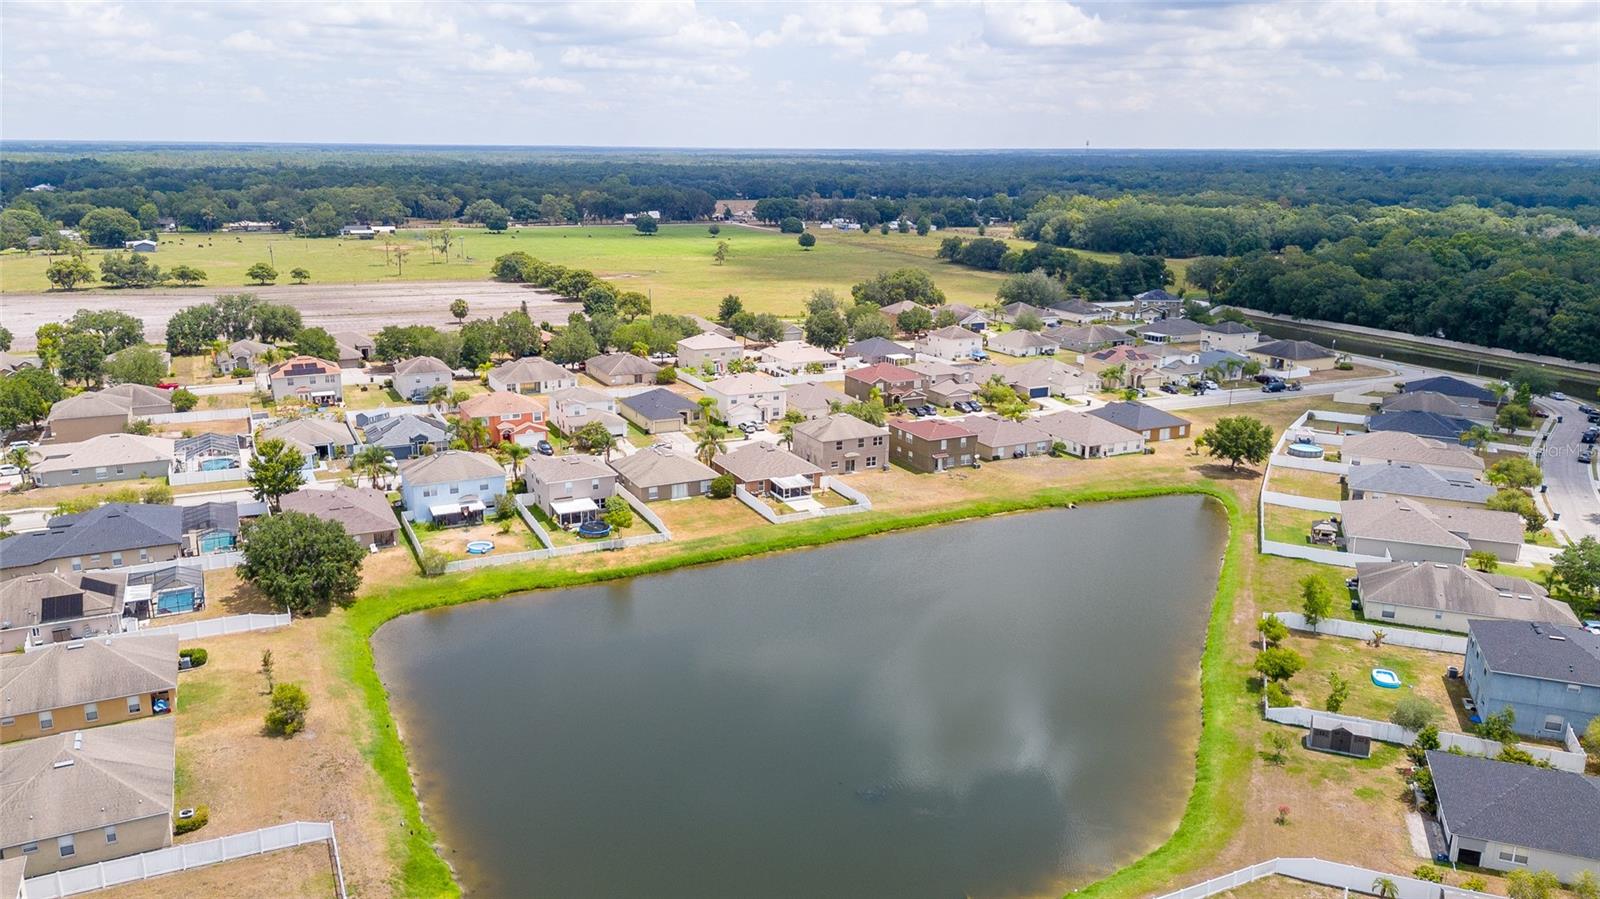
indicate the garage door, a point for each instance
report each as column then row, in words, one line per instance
column 527, row 438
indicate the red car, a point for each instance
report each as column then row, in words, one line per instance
column 167, row 385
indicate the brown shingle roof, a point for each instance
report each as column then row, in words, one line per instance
column 64, row 674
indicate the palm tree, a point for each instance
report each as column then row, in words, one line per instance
column 1385, row 888
column 1114, row 373
column 437, row 394
column 1477, row 437
column 709, row 441
column 22, row 458
column 515, row 452
column 474, row 431
column 375, row 462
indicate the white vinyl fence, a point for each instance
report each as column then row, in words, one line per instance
column 1399, row 636
column 1325, row 873
column 214, row 476
column 186, row 856
column 859, row 504
column 1284, row 460
column 552, row 551
column 1294, row 501
column 218, row 627
column 204, row 562
column 195, row 415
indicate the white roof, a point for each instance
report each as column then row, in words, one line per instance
column 571, row 506
column 792, row 481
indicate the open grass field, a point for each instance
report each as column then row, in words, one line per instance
column 675, row 266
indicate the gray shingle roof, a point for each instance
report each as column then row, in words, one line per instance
column 1172, row 327
column 1137, row 416
column 1452, row 588
column 1449, row 386
column 993, row 431
column 658, row 404
column 658, row 466
column 1398, row 446
column 839, row 426
column 312, row 432
column 63, row 674
column 1292, row 349
column 448, row 467
column 109, row 528
column 403, row 430
column 1415, row 480
column 118, row 774
column 1521, row 805
column 1423, row 424
column 874, row 349
column 1227, row 327
column 418, row 365
column 571, row 467
column 763, row 461
column 359, row 510
column 1531, row 649
column 612, row 364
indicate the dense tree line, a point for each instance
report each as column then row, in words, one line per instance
column 1099, row 281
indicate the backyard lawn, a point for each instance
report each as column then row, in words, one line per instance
column 1422, row 673
column 1312, row 484
column 562, row 537
column 1286, row 525
column 453, row 541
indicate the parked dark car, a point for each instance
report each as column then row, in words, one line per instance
column 1274, row 387
column 1266, row 379
column 1586, row 456
column 544, row 448
column 1589, row 437
column 1594, row 419
column 1588, row 410
column 1168, row 388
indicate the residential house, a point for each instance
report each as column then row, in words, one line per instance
column 1228, row 335
column 117, row 535
column 1438, row 404
column 319, row 438
column 657, row 473
column 842, row 444
column 80, row 797
column 415, row 378
column 748, row 398
column 1078, row 311
column 1292, row 355
column 966, row 316
column 932, row 444
column 53, row 608
column 87, row 683
column 1548, row 673
column 1040, row 378
column 1449, row 597
column 1451, row 386
column 951, row 344
column 571, row 489
column 1170, row 330
column 876, row 349
column 1391, row 447
column 893, row 310
column 659, row 410
column 354, row 345
column 619, row 369
column 143, row 245
column 698, row 350
column 768, row 469
column 1151, row 423
column 406, row 436
column 108, row 457
column 306, row 379
column 1158, row 303
column 1089, row 436
column 364, row 512
column 243, row 355
column 1089, row 338
column 10, row 363
column 946, row 383
column 897, row 385
column 1408, row 530
column 1417, row 481
column 811, row 399
column 1339, row 736
column 515, row 417
column 170, row 589
column 1022, row 343
column 1002, row 438
column 210, row 452
column 452, row 487
column 1011, row 312
column 109, row 411
column 791, row 333
column 1196, row 366
column 1507, row 817
column 1138, row 368
column 793, row 357
column 575, row 407
column 531, row 374
column 1422, row 424
column 707, row 326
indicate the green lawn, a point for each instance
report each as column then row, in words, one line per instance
column 766, row 269
column 1286, row 525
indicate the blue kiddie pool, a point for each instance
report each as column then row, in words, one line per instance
column 1385, row 678
column 479, row 547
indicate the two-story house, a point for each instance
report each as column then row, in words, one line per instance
column 842, row 444
column 1549, row 674
column 931, row 444
column 697, row 351
column 508, row 417
column 415, row 378
column 452, row 487
column 748, row 398
column 894, row 383
column 306, row 379
column 571, row 489
column 575, row 407
column 951, row 343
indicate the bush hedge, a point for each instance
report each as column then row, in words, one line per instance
column 181, row 826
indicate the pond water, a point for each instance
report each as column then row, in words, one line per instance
column 1005, row 707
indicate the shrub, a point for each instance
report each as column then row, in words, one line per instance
column 433, row 561
column 241, row 372
column 196, row 656
column 1499, row 726
column 287, row 714
column 157, row 495
column 1428, row 873
column 668, row 375
column 183, row 400
column 1279, row 663
column 1277, row 696
column 722, row 486
column 1414, row 713
column 181, row 826
column 1475, row 883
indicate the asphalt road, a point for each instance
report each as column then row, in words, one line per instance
column 1570, row 485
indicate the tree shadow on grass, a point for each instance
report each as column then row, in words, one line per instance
column 1216, row 471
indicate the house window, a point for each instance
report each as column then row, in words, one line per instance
column 594, row 483
column 46, row 721
column 133, row 705
column 1574, row 688
column 144, row 555
column 30, row 848
column 652, row 493
column 834, row 464
column 484, row 487
column 116, row 560
column 1554, row 723
column 77, row 564
column 7, row 721
column 454, row 489
column 91, row 711
column 66, row 846
column 1387, row 613
column 872, row 461
column 111, row 834
column 1514, row 856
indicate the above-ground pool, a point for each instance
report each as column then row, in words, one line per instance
column 1306, row 450
column 1385, row 678
column 479, row 547
column 594, row 529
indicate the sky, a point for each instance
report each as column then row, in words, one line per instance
column 913, row 75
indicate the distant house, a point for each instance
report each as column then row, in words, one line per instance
column 841, row 444
column 109, row 411
column 793, row 357
column 966, row 316
column 514, row 417
column 950, row 344
column 620, row 369
column 1405, row 479
column 1510, row 817
column 54, row 608
column 452, row 487
column 243, row 355
column 897, row 385
column 707, row 326
column 1422, row 424
column 571, row 489
column 1011, row 312
column 531, row 375
column 361, row 346
column 108, row 457
column 1231, row 336
column 406, row 436
column 1287, row 355
column 573, row 408
column 766, row 468
column 877, row 349
column 306, row 379
column 414, row 378
column 657, row 473
column 11, row 363
column 696, row 350
column 79, row 797
column 117, row 535
column 1089, row 436
column 78, row 685
column 1170, row 330
column 1548, row 673
column 1387, row 447
column 1339, row 736
column 1452, row 387
column 319, row 438
column 1139, row 368
column 659, row 410
column 932, row 444
column 363, row 512
column 1449, row 597
column 1001, row 438
column 893, row 310
column 1151, row 423
column 1408, row 530
column 1193, row 366
column 1022, row 343
column 1091, row 337
column 143, row 245
column 360, row 232
column 1078, row 312
column 811, row 399
column 1438, row 404
column 1156, row 303
column 748, row 398
column 791, row 333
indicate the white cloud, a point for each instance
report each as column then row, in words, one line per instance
column 1039, row 24
column 502, row 61
column 848, row 26
column 1435, row 95
column 248, row 41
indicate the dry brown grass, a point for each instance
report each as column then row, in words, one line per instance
column 1314, row 484
column 299, row 873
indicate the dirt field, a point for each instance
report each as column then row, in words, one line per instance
column 336, row 307
column 304, row 872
